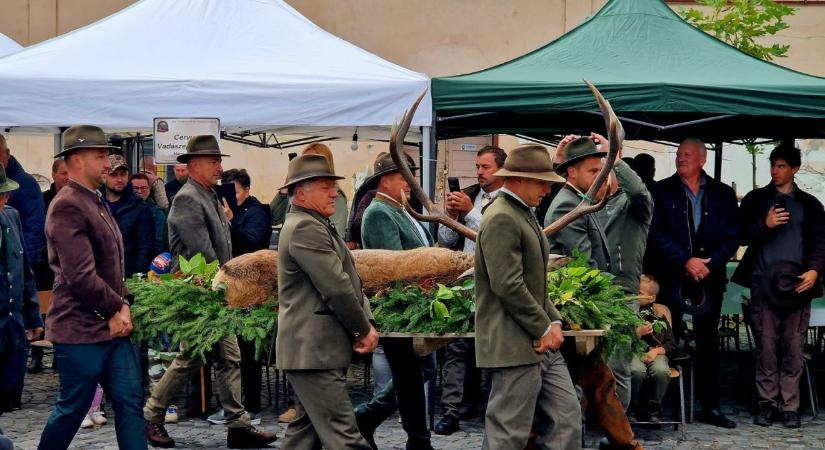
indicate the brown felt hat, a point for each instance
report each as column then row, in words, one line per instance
column 384, row 164
column 83, row 136
column 306, row 167
column 203, row 145
column 530, row 161
column 577, row 150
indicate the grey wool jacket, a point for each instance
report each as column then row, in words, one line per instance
column 197, row 224
column 322, row 310
column 512, row 308
column 586, row 234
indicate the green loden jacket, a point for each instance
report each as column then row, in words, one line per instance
column 386, row 226
column 512, row 309
column 322, row 310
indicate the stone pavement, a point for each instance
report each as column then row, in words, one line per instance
column 24, row 426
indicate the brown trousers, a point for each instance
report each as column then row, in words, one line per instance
column 780, row 337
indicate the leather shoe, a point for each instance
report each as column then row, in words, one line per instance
column 446, row 426
column 36, row 364
column 716, row 418
column 248, row 437
column 366, row 428
column 790, row 419
column 157, row 436
column 765, row 416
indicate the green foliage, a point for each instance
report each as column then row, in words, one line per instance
column 741, row 23
column 192, row 314
column 411, row 309
column 587, row 299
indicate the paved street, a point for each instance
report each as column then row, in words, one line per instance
column 24, row 426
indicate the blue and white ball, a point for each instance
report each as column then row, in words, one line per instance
column 162, row 263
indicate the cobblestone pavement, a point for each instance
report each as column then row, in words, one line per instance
column 24, row 426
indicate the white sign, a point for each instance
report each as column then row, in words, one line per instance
column 172, row 134
column 469, row 147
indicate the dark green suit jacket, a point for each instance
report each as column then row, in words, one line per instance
column 321, row 308
column 512, row 309
column 386, row 226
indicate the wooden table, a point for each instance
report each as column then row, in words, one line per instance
column 585, row 340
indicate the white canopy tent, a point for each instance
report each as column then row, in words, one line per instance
column 255, row 64
column 8, row 45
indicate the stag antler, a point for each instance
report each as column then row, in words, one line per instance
column 615, row 136
column 399, row 130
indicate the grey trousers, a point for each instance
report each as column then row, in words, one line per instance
column 460, row 354
column 324, row 413
column 540, row 396
column 780, row 337
column 228, row 371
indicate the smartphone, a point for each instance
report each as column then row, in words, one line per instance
column 292, row 156
column 227, row 192
column 452, row 183
column 779, row 202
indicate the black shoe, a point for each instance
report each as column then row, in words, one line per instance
column 790, row 419
column 365, row 427
column 249, row 437
column 716, row 418
column 36, row 364
column 765, row 416
column 446, row 426
column 654, row 412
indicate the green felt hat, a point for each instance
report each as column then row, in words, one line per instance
column 307, row 167
column 530, row 161
column 202, row 145
column 578, row 150
column 6, row 183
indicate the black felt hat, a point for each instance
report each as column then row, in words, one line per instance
column 779, row 282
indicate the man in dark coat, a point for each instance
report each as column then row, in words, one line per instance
column 250, row 232
column 20, row 315
column 133, row 216
column 89, row 319
column 695, row 232
column 27, row 200
column 174, row 185
column 462, row 379
column 143, row 188
column 60, row 177
column 781, row 224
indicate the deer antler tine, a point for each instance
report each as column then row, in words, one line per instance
column 399, row 130
column 615, row 133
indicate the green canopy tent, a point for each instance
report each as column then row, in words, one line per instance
column 666, row 80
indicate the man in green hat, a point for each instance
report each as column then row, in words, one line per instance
column 386, row 225
column 89, row 320
column 518, row 330
column 323, row 313
column 198, row 223
column 20, row 315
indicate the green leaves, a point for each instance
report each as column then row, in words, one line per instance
column 741, row 23
column 191, row 314
column 411, row 309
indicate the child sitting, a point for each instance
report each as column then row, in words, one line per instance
column 650, row 373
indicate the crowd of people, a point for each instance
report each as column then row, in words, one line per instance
column 667, row 244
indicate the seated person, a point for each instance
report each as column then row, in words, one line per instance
column 651, row 372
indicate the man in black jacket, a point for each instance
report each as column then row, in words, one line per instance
column 781, row 223
column 462, row 379
column 133, row 216
column 251, row 231
column 695, row 231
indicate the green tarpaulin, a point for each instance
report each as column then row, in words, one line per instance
column 665, row 79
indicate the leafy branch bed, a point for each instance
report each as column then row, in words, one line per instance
column 184, row 308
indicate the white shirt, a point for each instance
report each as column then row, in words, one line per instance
column 448, row 237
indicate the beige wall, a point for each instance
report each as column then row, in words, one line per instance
column 436, row 37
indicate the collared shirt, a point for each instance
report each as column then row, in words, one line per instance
column 448, row 236
column 93, row 191
column 696, row 201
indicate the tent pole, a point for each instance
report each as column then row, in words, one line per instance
column 429, row 150
column 717, row 161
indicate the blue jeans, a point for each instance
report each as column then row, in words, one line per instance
column 81, row 367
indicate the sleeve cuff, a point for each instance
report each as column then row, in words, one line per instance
column 555, row 322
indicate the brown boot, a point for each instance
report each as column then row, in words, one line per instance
column 249, row 437
column 158, row 437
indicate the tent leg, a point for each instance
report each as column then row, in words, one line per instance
column 717, row 161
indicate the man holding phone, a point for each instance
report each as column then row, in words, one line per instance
column 462, row 379
column 783, row 226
